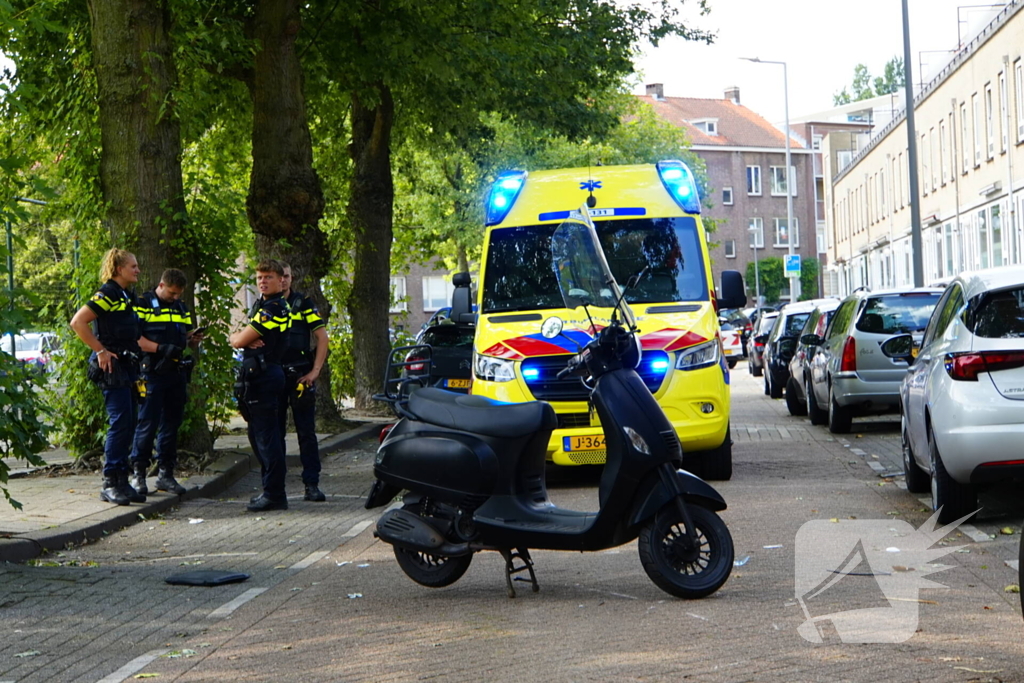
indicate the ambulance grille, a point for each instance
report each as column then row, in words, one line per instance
column 547, row 387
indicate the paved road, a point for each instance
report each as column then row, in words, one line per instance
column 327, row 602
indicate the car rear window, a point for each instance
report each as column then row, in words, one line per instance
column 897, row 313
column 1000, row 315
column 448, row 336
column 795, row 323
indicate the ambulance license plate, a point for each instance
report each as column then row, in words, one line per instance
column 591, row 442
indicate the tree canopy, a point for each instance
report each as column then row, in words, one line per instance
column 863, row 87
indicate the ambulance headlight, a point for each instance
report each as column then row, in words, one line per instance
column 699, row 356
column 491, row 369
column 503, row 195
column 680, row 183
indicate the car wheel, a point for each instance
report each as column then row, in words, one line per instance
column 756, row 369
column 716, row 464
column 916, row 478
column 793, row 402
column 839, row 418
column 773, row 387
column 814, row 411
column 954, row 499
column 767, row 389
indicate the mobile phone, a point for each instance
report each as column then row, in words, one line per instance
column 199, row 330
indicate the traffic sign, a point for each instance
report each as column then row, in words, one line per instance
column 792, row 265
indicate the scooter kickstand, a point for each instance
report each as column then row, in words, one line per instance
column 510, row 569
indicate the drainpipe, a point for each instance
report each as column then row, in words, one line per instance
column 1009, row 160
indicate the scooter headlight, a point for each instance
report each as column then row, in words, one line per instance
column 493, row 369
column 699, row 356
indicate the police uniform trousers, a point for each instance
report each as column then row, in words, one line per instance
column 160, row 417
column 265, row 399
column 304, row 415
column 121, row 417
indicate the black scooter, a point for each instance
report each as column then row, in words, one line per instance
column 474, row 468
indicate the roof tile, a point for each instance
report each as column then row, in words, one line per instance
column 737, row 125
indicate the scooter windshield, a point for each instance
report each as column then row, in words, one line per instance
column 580, row 266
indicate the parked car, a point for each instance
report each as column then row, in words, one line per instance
column 35, row 349
column 741, row 323
column 962, row 399
column 780, row 344
column 849, row 373
column 446, row 346
column 799, row 366
column 765, row 323
column 731, row 347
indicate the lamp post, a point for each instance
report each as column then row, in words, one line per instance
column 757, row 277
column 794, row 282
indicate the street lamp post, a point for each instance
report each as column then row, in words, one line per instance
column 757, row 277
column 794, row 282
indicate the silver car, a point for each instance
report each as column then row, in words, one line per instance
column 849, row 373
column 962, row 399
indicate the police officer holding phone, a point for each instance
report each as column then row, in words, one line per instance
column 108, row 325
column 261, row 381
column 166, row 334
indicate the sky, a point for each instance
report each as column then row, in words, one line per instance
column 821, row 42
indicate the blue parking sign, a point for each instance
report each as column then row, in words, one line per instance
column 792, row 265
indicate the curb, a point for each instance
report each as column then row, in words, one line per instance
column 222, row 474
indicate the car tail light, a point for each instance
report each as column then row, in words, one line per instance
column 384, row 432
column 849, row 359
column 412, row 366
column 966, row 366
column 1003, row 463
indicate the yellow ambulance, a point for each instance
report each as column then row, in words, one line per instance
column 648, row 220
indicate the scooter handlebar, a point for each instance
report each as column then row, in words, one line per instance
column 574, row 364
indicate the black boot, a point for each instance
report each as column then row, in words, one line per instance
column 126, row 488
column 165, row 481
column 138, row 479
column 112, row 493
column 314, row 494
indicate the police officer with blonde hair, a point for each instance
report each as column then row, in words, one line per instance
column 108, row 325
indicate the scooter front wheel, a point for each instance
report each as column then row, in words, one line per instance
column 432, row 571
column 676, row 567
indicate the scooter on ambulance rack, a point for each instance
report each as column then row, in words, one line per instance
column 473, row 468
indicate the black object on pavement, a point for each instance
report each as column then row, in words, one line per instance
column 206, row 577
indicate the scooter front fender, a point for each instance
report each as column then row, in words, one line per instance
column 657, row 495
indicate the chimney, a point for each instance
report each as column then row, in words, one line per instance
column 731, row 93
column 656, row 90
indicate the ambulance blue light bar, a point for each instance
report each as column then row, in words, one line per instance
column 503, row 195
column 679, row 182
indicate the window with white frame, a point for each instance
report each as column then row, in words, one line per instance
column 727, row 196
column 1018, row 79
column 756, row 229
column 843, row 159
column 779, row 180
column 437, row 292
column 730, row 249
column 923, row 151
column 820, row 238
column 943, row 152
column 399, row 301
column 782, row 233
column 981, row 219
column 965, row 146
column 995, row 223
column 990, row 123
column 816, row 142
column 881, row 191
column 753, row 180
column 1004, row 107
column 933, row 152
column 708, row 126
column 976, row 113
column 948, row 234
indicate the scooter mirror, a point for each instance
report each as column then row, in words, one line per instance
column 551, row 328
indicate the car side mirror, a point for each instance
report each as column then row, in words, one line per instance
column 900, row 347
column 733, row 293
column 761, row 339
column 811, row 340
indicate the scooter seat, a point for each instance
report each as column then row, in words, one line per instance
column 481, row 415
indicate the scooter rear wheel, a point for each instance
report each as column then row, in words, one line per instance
column 432, row 571
column 691, row 574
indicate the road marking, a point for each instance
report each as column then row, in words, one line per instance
column 784, row 433
column 136, row 665
column 1013, row 564
column 876, row 466
column 227, row 608
column 309, row 560
column 974, row 533
column 357, row 529
column 927, row 501
column 857, row 451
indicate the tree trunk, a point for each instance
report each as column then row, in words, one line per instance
column 370, row 212
column 286, row 200
column 140, row 161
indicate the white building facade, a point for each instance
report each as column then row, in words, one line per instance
column 969, row 123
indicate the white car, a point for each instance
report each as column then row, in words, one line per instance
column 962, row 399
column 34, row 349
column 732, row 347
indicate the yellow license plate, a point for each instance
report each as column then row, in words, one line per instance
column 592, row 442
column 457, row 383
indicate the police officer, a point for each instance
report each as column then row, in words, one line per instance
column 302, row 368
column 166, row 332
column 108, row 325
column 263, row 342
